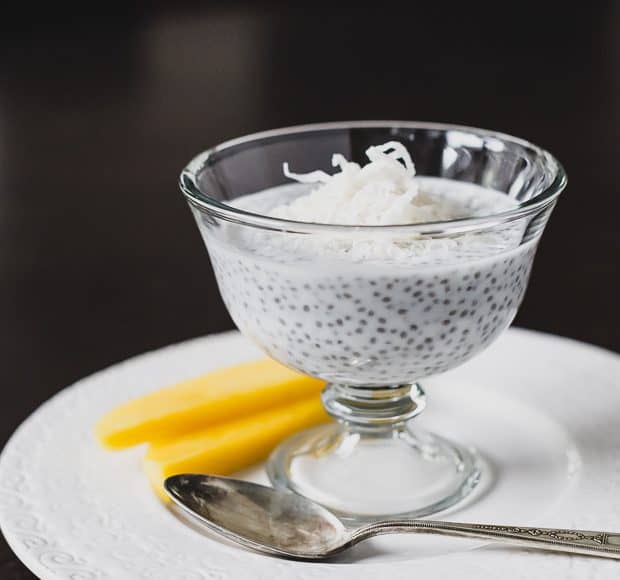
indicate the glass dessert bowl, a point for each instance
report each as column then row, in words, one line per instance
column 373, row 309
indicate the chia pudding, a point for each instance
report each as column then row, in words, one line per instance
column 372, row 309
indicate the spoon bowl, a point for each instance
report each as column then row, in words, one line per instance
column 270, row 520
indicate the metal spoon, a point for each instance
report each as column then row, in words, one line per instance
column 283, row 523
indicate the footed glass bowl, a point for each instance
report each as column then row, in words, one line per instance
column 372, row 310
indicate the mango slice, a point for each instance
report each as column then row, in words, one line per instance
column 227, row 447
column 223, row 395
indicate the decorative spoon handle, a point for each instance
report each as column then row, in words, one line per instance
column 603, row 544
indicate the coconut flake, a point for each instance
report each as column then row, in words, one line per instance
column 317, row 176
column 394, row 150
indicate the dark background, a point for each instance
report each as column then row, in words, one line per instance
column 99, row 257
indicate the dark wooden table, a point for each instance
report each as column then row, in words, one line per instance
column 99, row 258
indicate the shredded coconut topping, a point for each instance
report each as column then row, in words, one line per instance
column 382, row 192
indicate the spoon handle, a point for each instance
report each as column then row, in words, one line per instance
column 603, row 544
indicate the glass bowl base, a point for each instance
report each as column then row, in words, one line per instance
column 365, row 475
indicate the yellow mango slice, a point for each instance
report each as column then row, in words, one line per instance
column 225, row 448
column 207, row 400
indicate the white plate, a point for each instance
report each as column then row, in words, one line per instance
column 543, row 411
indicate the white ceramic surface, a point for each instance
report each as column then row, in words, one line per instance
column 541, row 409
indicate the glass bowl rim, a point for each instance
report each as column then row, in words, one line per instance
column 214, row 207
